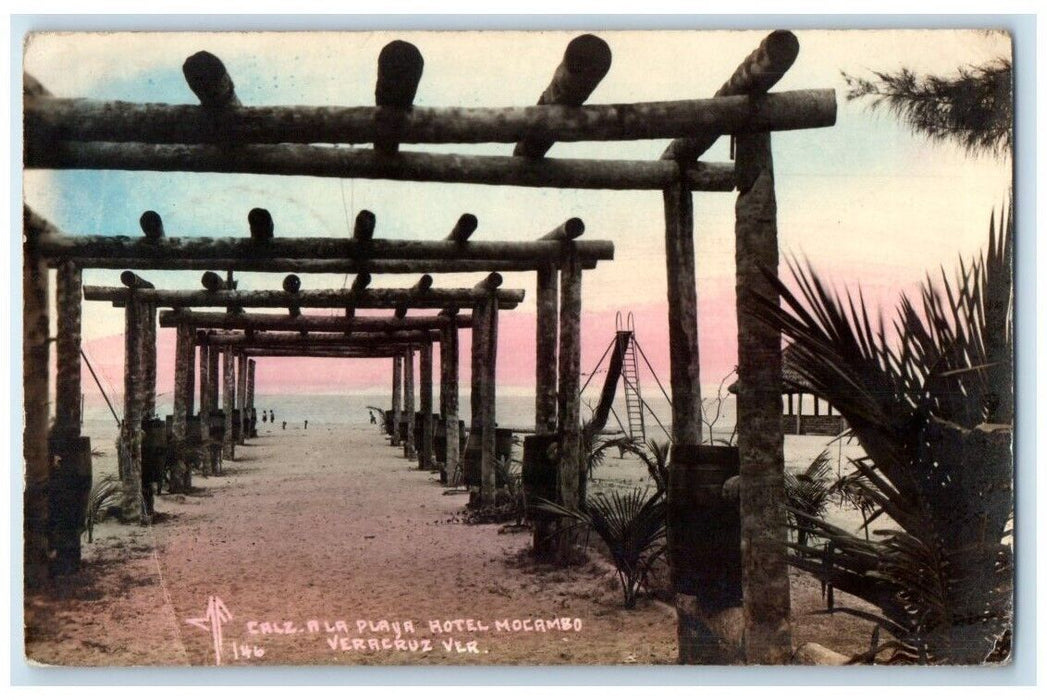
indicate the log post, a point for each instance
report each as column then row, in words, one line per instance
column 768, row 634
column 425, row 401
column 241, row 393
column 206, row 390
column 449, row 398
column 148, row 338
column 684, row 374
column 489, row 456
column 69, row 456
column 180, row 474
column 252, row 423
column 568, row 393
column 545, row 403
column 228, row 402
column 190, row 376
column 133, row 507
column 68, row 294
column 409, row 451
column 398, row 363
column 36, row 390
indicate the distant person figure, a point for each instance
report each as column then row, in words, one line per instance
column 272, row 416
column 374, row 421
column 307, row 425
column 284, row 426
column 265, row 417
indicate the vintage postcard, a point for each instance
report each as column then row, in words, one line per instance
column 518, row 348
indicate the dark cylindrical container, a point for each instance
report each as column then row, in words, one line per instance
column 193, row 435
column 69, row 488
column 503, row 443
column 154, row 449
column 703, row 529
column 540, row 465
column 472, row 455
column 217, row 427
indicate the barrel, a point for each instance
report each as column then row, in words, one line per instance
column 541, row 462
column 503, row 443
column 473, row 455
column 471, row 458
column 703, row 530
column 154, row 449
column 192, row 430
column 68, row 491
column 217, row 427
column 440, row 445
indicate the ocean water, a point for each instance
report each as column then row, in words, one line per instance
column 513, row 410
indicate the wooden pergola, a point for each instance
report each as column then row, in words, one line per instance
column 222, row 136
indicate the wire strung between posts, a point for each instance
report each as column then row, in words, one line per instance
column 104, row 395
column 653, row 373
column 598, row 363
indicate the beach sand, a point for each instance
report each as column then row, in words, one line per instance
column 326, row 546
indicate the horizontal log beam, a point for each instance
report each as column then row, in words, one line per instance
column 327, row 161
column 301, row 265
column 312, row 298
column 279, row 338
column 69, row 247
column 81, row 120
column 276, row 322
column 342, row 353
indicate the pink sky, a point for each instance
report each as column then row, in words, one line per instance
column 516, row 361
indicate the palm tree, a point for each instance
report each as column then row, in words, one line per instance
column 631, row 524
column 808, row 494
column 933, row 411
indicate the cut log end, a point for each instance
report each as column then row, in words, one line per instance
column 466, row 226
column 588, row 55
column 364, row 228
column 423, row 285
column 133, row 281
column 212, row 281
column 152, row 225
column 567, row 231
column 781, row 47
column 261, row 224
column 400, row 65
column 360, row 283
column 292, row 283
column 207, row 78
column 490, row 283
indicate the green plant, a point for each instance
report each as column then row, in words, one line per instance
column 632, row 525
column 105, row 494
column 655, row 456
column 933, row 410
column 808, row 494
column 509, row 474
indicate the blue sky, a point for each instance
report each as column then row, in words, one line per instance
column 865, row 200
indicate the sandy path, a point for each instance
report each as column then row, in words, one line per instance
column 320, row 532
